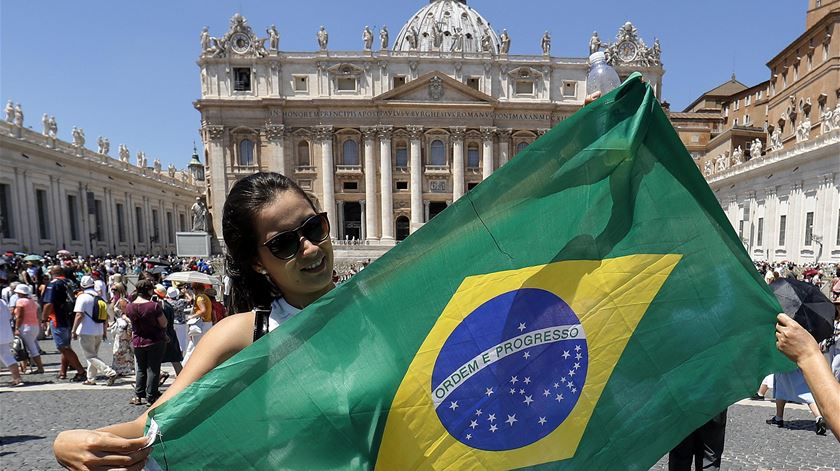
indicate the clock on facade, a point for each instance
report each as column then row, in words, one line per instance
column 240, row 42
column 627, row 51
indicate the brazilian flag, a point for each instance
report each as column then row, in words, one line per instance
column 585, row 307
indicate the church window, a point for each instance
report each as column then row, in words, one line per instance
column 473, row 82
column 471, row 185
column 350, row 152
column 350, row 186
column 246, row 152
column 121, row 222
column 402, row 185
column 303, row 154
column 796, row 71
column 346, row 84
column 438, row 153
column 301, row 83
column 524, row 87
column 73, row 217
column 809, row 228
column 402, row 155
column 5, row 211
column 138, row 223
column 472, row 156
column 242, row 79
column 747, row 100
column 399, row 81
column 43, row 214
column 569, row 88
column 782, row 229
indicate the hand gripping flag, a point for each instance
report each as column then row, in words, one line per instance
column 585, row 307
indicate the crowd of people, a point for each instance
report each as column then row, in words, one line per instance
column 67, row 298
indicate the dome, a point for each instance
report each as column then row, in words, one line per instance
column 448, row 26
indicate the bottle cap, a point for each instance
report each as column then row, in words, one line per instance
column 596, row 56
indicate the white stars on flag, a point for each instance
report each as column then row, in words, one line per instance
column 556, row 385
column 578, row 356
column 453, row 405
column 528, row 400
column 469, row 436
column 514, row 380
column 493, row 428
column 478, row 412
column 512, row 391
column 473, row 424
column 489, row 392
column 521, row 326
column 577, row 348
column 558, row 398
column 491, row 417
column 511, row 420
column 526, row 355
column 542, row 421
column 546, row 393
column 527, row 380
column 566, row 354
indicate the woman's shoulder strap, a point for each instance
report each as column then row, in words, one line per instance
column 260, row 322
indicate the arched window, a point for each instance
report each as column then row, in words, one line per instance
column 472, row 156
column 521, row 146
column 350, row 152
column 402, row 155
column 438, row 153
column 303, row 154
column 246, row 152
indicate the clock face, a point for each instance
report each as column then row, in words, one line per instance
column 240, row 42
column 627, row 51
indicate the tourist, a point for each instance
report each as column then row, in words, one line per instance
column 123, row 359
column 26, row 324
column 58, row 306
column 200, row 320
column 172, row 354
column 90, row 332
column 6, row 337
column 271, row 231
column 148, row 326
column 702, row 447
column 798, row 345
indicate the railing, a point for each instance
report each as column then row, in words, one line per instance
column 348, row 169
column 437, row 169
column 305, row 169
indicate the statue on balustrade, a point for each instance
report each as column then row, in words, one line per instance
column 53, row 127
column 545, row 43
column 273, row 38
column 383, row 38
column 18, row 116
column 45, row 123
column 323, row 38
column 199, row 214
column 78, row 136
column 10, row 112
column 505, row 40
column 367, row 38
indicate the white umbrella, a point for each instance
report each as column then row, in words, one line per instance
column 193, row 277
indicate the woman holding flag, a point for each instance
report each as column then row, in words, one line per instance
column 279, row 259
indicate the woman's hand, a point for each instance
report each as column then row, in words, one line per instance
column 794, row 341
column 591, row 97
column 95, row 450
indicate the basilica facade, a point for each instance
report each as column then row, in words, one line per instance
column 386, row 136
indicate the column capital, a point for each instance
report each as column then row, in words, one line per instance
column 504, row 133
column 457, row 132
column 487, row 133
column 274, row 132
column 212, row 132
column 385, row 132
column 323, row 133
column 414, row 132
column 369, row 132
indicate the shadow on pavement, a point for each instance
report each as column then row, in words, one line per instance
column 8, row 440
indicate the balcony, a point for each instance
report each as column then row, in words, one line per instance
column 305, row 169
column 437, row 170
column 348, row 169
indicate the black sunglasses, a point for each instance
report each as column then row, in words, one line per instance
column 285, row 245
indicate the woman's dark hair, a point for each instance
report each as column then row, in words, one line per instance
column 249, row 289
column 144, row 288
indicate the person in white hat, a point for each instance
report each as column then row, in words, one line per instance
column 6, row 336
column 91, row 333
column 27, row 327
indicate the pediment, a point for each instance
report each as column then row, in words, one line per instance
column 435, row 87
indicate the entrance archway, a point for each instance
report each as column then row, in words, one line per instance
column 402, row 228
column 352, row 220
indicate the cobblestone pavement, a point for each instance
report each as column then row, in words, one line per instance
column 32, row 416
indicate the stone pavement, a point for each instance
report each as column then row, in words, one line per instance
column 32, row 416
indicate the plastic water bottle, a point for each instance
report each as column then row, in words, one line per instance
column 602, row 77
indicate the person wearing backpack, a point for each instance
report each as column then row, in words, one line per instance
column 58, row 307
column 90, row 327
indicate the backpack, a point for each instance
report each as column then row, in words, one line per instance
column 100, row 310
column 218, row 311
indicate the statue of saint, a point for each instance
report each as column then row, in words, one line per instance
column 323, row 38
column 545, row 43
column 18, row 116
column 413, row 38
column 708, row 168
column 367, row 38
column 101, row 145
column 171, row 171
column 273, row 38
column 205, row 40
column 486, row 45
column 594, row 43
column 45, row 122
column 457, row 41
column 199, row 214
column 78, row 137
column 505, row 39
column 106, row 146
column 53, row 127
column 157, row 166
column 383, row 38
column 738, row 155
column 10, row 112
column 437, row 35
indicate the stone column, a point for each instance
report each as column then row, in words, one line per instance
column 426, row 210
column 795, row 237
column 213, row 136
column 385, row 184
column 369, row 228
column 487, row 151
column 416, row 169
column 340, row 214
column 504, row 146
column 457, row 134
column 325, row 136
column 363, row 231
column 275, row 134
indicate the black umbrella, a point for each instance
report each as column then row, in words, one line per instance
column 807, row 305
column 159, row 270
column 157, row 261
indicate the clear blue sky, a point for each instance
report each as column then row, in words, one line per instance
column 126, row 69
